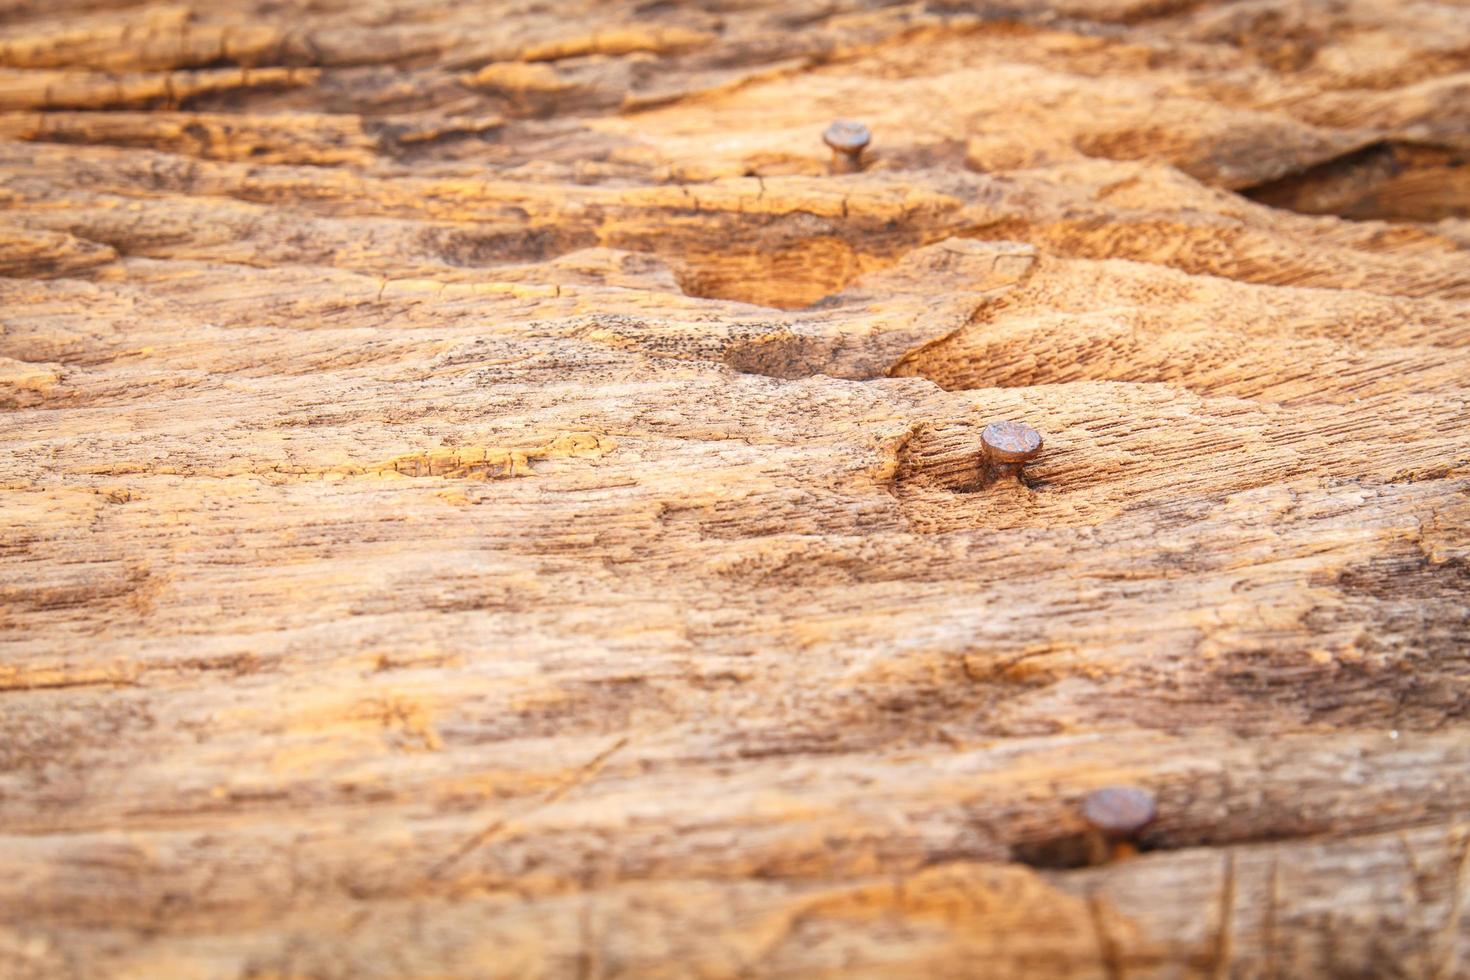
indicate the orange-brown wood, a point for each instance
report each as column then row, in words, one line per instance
column 480, row 498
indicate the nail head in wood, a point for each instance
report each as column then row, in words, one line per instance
column 847, row 139
column 1010, row 443
column 1119, row 812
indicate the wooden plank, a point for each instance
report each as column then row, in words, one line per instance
column 480, row 498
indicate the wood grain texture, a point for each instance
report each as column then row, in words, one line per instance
column 478, row 498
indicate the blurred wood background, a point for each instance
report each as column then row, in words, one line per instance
column 479, row 499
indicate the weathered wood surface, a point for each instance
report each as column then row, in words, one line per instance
column 478, row 499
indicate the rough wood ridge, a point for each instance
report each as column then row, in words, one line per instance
column 478, row 498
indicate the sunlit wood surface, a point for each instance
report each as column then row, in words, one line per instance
column 479, row 499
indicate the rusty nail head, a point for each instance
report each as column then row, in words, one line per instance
column 848, row 140
column 1010, row 444
column 1119, row 812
